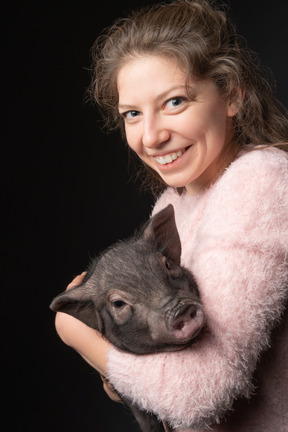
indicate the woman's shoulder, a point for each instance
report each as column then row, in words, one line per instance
column 253, row 188
column 169, row 196
column 255, row 174
column 259, row 170
column 269, row 161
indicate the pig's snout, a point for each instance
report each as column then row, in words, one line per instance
column 186, row 322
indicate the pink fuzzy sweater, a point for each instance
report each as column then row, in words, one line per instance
column 234, row 239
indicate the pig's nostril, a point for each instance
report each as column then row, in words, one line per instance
column 186, row 323
column 179, row 325
column 193, row 313
column 184, row 316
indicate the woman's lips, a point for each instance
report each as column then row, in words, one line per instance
column 163, row 160
column 169, row 157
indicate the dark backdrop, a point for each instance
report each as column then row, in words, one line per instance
column 67, row 194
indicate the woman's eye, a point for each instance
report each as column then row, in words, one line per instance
column 175, row 102
column 130, row 115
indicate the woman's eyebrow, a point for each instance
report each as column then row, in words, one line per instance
column 127, row 107
column 159, row 96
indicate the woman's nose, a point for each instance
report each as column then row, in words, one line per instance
column 155, row 133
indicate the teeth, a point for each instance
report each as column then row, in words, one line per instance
column 163, row 160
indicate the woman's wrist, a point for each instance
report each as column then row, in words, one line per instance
column 89, row 343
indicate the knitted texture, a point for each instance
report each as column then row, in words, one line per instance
column 234, row 239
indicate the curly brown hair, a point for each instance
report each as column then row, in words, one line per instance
column 202, row 38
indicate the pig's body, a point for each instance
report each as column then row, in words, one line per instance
column 139, row 297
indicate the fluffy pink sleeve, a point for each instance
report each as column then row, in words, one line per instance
column 238, row 252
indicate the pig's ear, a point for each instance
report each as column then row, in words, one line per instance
column 161, row 229
column 73, row 302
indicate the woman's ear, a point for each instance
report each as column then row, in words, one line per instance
column 235, row 102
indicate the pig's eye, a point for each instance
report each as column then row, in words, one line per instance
column 168, row 265
column 173, row 271
column 120, row 310
column 118, row 304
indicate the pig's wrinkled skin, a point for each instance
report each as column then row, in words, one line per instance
column 139, row 297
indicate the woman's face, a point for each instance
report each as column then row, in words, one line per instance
column 180, row 137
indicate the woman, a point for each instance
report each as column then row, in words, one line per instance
column 194, row 108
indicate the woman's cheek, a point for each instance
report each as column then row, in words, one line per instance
column 133, row 140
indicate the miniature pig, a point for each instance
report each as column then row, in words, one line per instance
column 139, row 297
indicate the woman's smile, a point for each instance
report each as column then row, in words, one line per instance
column 169, row 158
column 182, row 137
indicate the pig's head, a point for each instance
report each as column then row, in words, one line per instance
column 137, row 294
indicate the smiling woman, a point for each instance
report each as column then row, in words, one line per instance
column 190, row 99
column 182, row 138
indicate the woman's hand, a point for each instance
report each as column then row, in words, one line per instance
column 109, row 389
column 89, row 343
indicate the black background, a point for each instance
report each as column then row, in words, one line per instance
column 67, row 194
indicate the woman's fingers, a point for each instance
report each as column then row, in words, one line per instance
column 76, row 281
column 109, row 389
column 84, row 340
